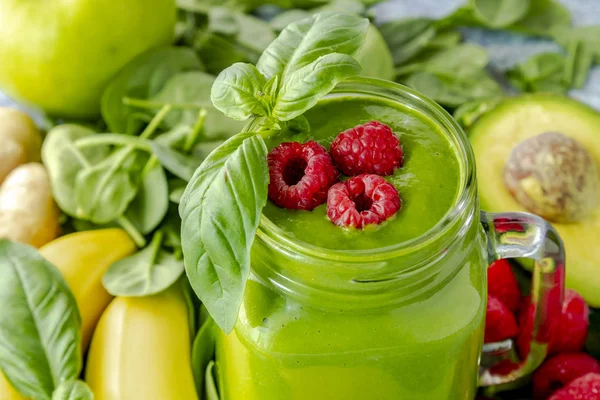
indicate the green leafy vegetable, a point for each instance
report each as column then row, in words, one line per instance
column 203, row 352
column 407, row 37
column 544, row 18
column 500, row 13
column 237, row 92
column 468, row 113
column 40, row 325
column 211, row 387
column 579, row 61
column 73, row 390
column 180, row 165
column 142, row 78
column 220, row 210
column 544, row 72
column 148, row 272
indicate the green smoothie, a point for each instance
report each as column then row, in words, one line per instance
column 404, row 326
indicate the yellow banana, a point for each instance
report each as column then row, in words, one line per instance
column 82, row 258
column 141, row 350
column 6, row 390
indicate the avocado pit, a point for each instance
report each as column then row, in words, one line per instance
column 553, row 176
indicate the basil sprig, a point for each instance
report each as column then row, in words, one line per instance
column 221, row 206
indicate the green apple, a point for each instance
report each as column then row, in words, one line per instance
column 59, row 54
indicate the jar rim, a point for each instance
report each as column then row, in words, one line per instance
column 275, row 236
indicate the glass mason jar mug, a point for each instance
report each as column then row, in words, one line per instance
column 400, row 322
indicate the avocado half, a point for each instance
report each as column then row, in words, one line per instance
column 497, row 133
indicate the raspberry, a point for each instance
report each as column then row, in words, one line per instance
column 362, row 200
column 561, row 370
column 371, row 148
column 500, row 323
column 585, row 388
column 573, row 326
column 502, row 284
column 300, row 175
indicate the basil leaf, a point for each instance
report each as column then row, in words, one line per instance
column 40, row 325
column 142, row 78
column 211, row 387
column 178, row 164
column 203, row 352
column 73, row 390
column 103, row 192
column 147, row 272
column 150, row 204
column 64, row 161
column 194, row 89
column 407, row 37
column 306, row 86
column 303, row 42
column 220, row 210
column 500, row 13
column 237, row 92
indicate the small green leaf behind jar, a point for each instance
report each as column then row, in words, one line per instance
column 147, row 272
column 73, row 390
column 40, row 325
column 203, row 352
column 211, row 391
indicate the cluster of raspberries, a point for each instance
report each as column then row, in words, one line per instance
column 304, row 176
column 568, row 373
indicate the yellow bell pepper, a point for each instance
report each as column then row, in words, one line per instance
column 83, row 258
column 141, row 350
column 7, row 392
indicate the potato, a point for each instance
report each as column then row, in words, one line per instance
column 28, row 213
column 20, row 140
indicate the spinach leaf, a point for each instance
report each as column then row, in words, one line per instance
column 103, row 191
column 544, row 18
column 179, row 164
column 147, row 272
column 407, row 37
column 304, row 87
column 203, row 352
column 211, row 386
column 73, row 390
column 237, row 92
column 468, row 113
column 543, row 72
column 150, row 204
column 194, row 89
column 64, row 160
column 579, row 61
column 142, row 78
column 500, row 13
column 220, row 210
column 305, row 41
column 590, row 35
column 40, row 325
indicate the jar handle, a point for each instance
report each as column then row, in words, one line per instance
column 512, row 235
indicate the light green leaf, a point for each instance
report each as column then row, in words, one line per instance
column 203, row 352
column 238, row 90
column 220, row 210
column 104, row 191
column 73, row 390
column 303, row 42
column 211, row 386
column 40, row 325
column 500, row 13
column 147, row 272
column 180, row 165
column 64, row 161
column 579, row 61
column 150, row 205
column 306, row 86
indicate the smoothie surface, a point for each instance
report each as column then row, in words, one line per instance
column 428, row 182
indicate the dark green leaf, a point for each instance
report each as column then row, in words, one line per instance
column 407, row 37
column 147, row 272
column 220, row 211
column 203, row 352
column 238, row 92
column 544, row 72
column 500, row 13
column 303, row 42
column 149, row 206
column 544, row 18
column 40, row 326
column 211, row 392
column 142, row 78
column 64, row 161
column 305, row 87
column 180, row 165
column 73, row 390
